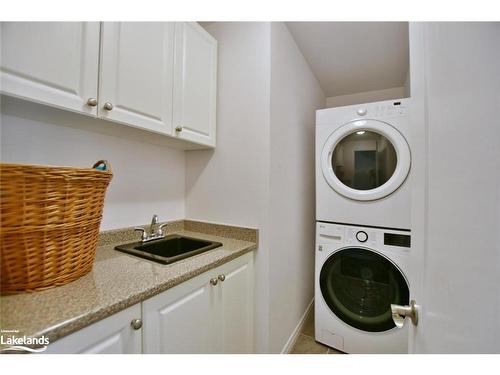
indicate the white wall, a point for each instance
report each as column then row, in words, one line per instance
column 262, row 172
column 366, row 97
column 231, row 183
column 227, row 184
column 407, row 85
column 295, row 96
column 147, row 178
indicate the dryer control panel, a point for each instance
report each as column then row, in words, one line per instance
column 388, row 110
column 383, row 110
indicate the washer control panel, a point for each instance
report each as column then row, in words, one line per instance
column 330, row 234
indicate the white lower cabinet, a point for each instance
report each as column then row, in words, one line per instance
column 183, row 319
column 236, row 306
column 112, row 335
column 210, row 313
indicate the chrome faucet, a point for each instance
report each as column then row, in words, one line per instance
column 155, row 230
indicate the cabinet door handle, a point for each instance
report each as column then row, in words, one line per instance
column 108, row 106
column 178, row 129
column 214, row 281
column 136, row 323
column 221, row 277
column 92, row 102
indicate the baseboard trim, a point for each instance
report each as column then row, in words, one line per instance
column 296, row 332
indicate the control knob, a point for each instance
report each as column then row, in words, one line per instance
column 361, row 236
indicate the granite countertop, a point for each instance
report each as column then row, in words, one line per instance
column 118, row 280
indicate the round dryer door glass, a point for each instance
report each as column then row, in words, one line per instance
column 359, row 285
column 364, row 160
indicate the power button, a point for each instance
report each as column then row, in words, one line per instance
column 361, row 236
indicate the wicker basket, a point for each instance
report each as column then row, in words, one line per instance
column 50, row 219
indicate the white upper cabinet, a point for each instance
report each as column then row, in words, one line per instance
column 156, row 76
column 53, row 63
column 195, row 84
column 136, row 74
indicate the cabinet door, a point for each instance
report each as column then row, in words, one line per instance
column 195, row 84
column 183, row 319
column 136, row 74
column 54, row 63
column 237, row 305
column 112, row 335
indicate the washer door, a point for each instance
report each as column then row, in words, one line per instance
column 359, row 285
column 365, row 160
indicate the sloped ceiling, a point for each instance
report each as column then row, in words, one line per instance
column 353, row 57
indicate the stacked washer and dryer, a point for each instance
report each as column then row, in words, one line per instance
column 362, row 249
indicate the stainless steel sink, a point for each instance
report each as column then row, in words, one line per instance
column 168, row 249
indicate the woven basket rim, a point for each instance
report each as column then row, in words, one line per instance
column 44, row 166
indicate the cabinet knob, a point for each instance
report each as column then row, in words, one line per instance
column 136, row 323
column 221, row 277
column 178, row 128
column 108, row 106
column 92, row 102
column 214, row 281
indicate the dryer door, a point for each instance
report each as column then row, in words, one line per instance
column 365, row 160
column 359, row 285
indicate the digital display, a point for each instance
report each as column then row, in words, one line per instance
column 401, row 240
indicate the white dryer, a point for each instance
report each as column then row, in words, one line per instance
column 363, row 164
column 359, row 273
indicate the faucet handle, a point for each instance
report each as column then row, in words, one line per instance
column 143, row 235
column 160, row 229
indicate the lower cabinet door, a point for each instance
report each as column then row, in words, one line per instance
column 112, row 335
column 183, row 319
column 237, row 305
column 211, row 313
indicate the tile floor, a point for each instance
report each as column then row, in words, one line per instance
column 306, row 344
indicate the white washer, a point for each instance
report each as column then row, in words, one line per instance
column 359, row 273
column 363, row 162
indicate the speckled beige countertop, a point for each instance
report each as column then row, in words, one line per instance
column 118, row 280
